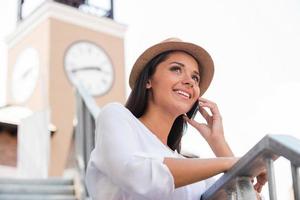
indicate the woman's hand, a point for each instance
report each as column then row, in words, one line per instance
column 261, row 180
column 212, row 130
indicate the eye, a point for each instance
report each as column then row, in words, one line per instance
column 176, row 69
column 196, row 78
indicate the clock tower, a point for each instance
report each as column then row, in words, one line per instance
column 52, row 46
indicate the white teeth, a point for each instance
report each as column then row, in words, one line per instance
column 183, row 93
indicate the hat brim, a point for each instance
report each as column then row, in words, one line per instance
column 203, row 58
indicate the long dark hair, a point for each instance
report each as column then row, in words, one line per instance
column 138, row 99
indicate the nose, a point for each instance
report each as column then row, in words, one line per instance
column 188, row 81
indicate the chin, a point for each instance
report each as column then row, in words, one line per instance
column 183, row 109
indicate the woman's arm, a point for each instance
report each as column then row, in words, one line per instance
column 221, row 148
column 188, row 171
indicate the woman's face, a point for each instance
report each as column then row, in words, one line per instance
column 174, row 85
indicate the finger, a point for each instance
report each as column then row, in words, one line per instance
column 199, row 126
column 204, row 113
column 262, row 178
column 201, row 99
column 258, row 187
column 208, row 102
column 261, row 181
column 190, row 121
column 258, row 196
column 212, row 107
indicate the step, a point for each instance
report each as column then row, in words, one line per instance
column 36, row 197
column 36, row 189
column 49, row 181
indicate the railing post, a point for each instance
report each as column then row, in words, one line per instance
column 84, row 134
column 242, row 190
column 79, row 129
column 89, row 129
column 245, row 190
column 271, row 179
column 79, row 141
column 86, row 114
column 296, row 181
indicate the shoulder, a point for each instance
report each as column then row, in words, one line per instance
column 113, row 107
column 114, row 110
column 113, row 118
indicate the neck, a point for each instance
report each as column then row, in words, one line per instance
column 158, row 122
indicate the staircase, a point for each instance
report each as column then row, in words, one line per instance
column 37, row 189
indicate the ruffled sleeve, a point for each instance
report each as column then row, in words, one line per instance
column 119, row 155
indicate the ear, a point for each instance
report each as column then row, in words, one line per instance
column 148, row 85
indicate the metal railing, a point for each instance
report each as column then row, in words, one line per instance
column 86, row 115
column 236, row 183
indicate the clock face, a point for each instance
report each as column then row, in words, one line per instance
column 88, row 63
column 25, row 74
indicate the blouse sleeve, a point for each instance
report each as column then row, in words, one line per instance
column 117, row 154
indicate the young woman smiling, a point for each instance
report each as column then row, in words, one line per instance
column 137, row 152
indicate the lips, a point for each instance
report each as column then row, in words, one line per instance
column 184, row 94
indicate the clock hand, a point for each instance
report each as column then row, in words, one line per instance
column 88, row 68
column 75, row 70
column 25, row 74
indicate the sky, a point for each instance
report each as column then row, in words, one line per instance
column 254, row 45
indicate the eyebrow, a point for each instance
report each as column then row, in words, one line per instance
column 182, row 65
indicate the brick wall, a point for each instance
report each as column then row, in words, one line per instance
column 8, row 149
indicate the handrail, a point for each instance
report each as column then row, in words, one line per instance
column 87, row 111
column 87, row 98
column 261, row 156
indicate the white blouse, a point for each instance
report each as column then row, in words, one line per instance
column 127, row 162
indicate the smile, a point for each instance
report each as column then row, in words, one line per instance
column 184, row 94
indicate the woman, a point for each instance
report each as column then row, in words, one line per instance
column 137, row 152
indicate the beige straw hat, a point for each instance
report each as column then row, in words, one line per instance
column 173, row 44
